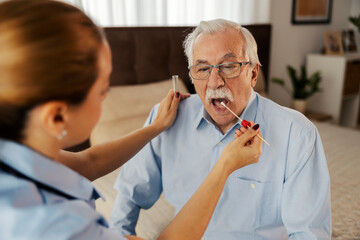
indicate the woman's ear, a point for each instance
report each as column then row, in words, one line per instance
column 53, row 116
column 254, row 75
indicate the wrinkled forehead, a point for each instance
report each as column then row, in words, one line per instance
column 219, row 46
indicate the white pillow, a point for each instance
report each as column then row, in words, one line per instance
column 127, row 107
column 133, row 100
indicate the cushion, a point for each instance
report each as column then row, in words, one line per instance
column 127, row 107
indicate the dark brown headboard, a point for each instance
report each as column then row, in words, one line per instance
column 151, row 54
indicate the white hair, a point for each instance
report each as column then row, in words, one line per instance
column 220, row 25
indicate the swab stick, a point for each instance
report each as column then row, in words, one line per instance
column 244, row 122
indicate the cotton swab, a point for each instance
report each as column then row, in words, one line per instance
column 244, row 122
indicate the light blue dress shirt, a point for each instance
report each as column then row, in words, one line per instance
column 285, row 195
column 43, row 199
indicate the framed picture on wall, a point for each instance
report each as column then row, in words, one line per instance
column 311, row 11
column 333, row 43
column 349, row 41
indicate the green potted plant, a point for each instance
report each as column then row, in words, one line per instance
column 355, row 21
column 303, row 86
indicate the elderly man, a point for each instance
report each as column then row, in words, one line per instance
column 285, row 195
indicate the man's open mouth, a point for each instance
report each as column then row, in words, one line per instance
column 217, row 102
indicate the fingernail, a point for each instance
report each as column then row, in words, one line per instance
column 177, row 95
column 256, row 126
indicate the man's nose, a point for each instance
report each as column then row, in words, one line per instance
column 215, row 80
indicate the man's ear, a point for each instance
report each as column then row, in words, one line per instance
column 254, row 75
column 53, row 117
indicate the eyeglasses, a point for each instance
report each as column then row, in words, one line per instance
column 226, row 70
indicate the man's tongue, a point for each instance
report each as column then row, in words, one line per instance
column 217, row 102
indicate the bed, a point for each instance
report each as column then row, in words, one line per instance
column 144, row 59
column 342, row 152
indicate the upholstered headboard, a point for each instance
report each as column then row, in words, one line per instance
column 151, row 54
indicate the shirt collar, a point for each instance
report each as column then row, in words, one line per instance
column 200, row 117
column 250, row 110
column 46, row 171
column 249, row 113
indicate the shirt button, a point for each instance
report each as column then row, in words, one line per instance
column 220, row 143
column 252, row 186
column 202, row 238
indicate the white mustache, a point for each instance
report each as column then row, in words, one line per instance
column 218, row 93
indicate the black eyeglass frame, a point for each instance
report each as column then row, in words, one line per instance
column 218, row 67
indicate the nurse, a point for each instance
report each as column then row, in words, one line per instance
column 54, row 73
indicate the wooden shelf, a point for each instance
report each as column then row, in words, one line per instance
column 340, row 83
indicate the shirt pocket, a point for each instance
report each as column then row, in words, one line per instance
column 245, row 205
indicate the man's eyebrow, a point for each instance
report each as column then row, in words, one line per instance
column 201, row 62
column 228, row 55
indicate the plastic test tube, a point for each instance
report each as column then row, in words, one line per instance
column 175, row 80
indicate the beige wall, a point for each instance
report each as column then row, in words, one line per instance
column 291, row 43
column 355, row 8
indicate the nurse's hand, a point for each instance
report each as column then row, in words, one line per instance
column 167, row 111
column 242, row 130
column 244, row 150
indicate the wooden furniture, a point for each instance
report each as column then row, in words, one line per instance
column 340, row 86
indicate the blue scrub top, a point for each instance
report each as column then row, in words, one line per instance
column 43, row 199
